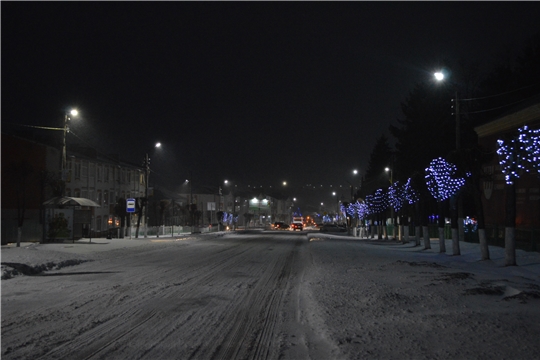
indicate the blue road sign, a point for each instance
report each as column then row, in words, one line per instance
column 130, row 205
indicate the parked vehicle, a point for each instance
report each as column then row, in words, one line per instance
column 297, row 226
column 279, row 226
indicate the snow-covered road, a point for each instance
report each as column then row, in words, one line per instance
column 268, row 295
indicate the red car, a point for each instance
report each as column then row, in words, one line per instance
column 297, row 226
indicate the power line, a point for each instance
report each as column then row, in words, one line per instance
column 499, row 107
column 492, row 96
column 36, row 127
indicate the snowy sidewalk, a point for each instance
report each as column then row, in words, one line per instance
column 470, row 258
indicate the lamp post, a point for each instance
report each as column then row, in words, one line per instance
column 439, row 76
column 147, row 176
column 387, row 169
column 63, row 174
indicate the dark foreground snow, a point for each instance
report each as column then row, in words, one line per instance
column 266, row 296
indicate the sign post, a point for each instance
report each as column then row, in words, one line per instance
column 130, row 208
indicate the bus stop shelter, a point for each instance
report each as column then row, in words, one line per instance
column 68, row 218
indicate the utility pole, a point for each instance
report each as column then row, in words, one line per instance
column 145, row 206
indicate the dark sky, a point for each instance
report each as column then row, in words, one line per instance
column 253, row 92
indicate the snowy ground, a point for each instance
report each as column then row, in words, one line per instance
column 266, row 295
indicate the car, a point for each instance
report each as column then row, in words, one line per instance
column 333, row 228
column 280, row 226
column 297, row 226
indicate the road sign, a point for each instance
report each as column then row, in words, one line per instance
column 130, row 205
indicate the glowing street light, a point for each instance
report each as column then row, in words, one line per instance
column 387, row 169
column 63, row 174
column 147, row 176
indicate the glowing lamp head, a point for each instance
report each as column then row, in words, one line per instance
column 439, row 76
column 74, row 112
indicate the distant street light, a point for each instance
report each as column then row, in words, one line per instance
column 391, row 207
column 387, row 169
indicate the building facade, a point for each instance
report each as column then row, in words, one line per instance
column 30, row 176
column 527, row 185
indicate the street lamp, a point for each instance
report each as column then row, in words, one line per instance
column 147, row 176
column 73, row 112
column 439, row 76
column 387, row 169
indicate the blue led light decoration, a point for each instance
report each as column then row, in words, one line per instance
column 520, row 154
column 370, row 205
column 380, row 202
column 351, row 210
column 396, row 196
column 362, row 210
column 440, row 179
column 411, row 195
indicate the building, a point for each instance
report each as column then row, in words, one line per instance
column 30, row 176
column 28, row 170
column 106, row 180
column 527, row 186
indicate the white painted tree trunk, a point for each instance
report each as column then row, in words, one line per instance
column 417, row 235
column 461, row 229
column 19, row 236
column 442, row 244
column 427, row 242
column 455, row 242
column 510, row 246
column 405, row 234
column 484, row 249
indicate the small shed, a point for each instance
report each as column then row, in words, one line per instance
column 68, row 217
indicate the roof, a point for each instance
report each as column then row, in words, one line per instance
column 71, row 201
column 525, row 116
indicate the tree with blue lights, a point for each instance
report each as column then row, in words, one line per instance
column 442, row 184
column 517, row 154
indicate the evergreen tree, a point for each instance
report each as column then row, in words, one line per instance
column 380, row 158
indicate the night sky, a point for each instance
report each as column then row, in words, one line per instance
column 253, row 92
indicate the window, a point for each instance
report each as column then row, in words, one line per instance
column 77, row 170
column 69, row 171
column 84, row 169
column 112, row 197
column 105, row 197
column 99, row 173
column 98, row 198
column 68, row 192
column 92, row 172
column 98, row 223
column 77, row 193
column 128, row 176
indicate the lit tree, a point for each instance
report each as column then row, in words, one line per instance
column 517, row 154
column 396, row 199
column 442, row 184
column 440, row 181
column 410, row 196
